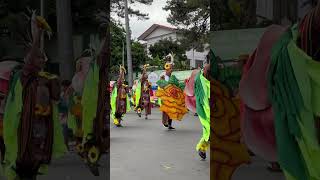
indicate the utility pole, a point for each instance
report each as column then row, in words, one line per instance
column 65, row 41
column 43, row 15
column 123, row 53
column 128, row 40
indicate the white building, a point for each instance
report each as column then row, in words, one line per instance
column 159, row 32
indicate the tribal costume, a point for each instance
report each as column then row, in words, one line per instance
column 120, row 102
column 142, row 94
column 289, row 71
column 75, row 110
column 94, row 99
column 32, row 132
column 293, row 85
column 172, row 98
column 7, row 69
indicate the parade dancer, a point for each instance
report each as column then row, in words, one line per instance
column 94, row 101
column 120, row 102
column 172, row 97
column 143, row 99
column 197, row 100
column 32, row 132
column 75, row 92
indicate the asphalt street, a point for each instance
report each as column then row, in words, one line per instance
column 144, row 149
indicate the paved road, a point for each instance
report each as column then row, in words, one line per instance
column 144, row 149
column 256, row 171
column 70, row 167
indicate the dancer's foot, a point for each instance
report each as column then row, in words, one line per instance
column 203, row 155
column 274, row 167
column 146, row 117
column 171, row 128
column 119, row 125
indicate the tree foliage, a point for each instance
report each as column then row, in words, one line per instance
column 118, row 39
column 192, row 17
column 117, row 6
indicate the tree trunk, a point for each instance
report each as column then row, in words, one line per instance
column 65, row 40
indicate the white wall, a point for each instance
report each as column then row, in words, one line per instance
column 160, row 34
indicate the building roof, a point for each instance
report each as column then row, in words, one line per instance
column 152, row 29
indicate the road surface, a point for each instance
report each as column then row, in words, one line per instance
column 145, row 149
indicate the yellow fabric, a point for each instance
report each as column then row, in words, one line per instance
column 228, row 152
column 173, row 101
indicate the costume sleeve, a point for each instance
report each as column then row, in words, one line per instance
column 90, row 99
column 114, row 101
column 138, row 93
column 11, row 122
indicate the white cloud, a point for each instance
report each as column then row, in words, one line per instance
column 156, row 16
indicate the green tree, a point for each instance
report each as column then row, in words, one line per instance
column 192, row 17
column 163, row 47
column 139, row 56
column 117, row 6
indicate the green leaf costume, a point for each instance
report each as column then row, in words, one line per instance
column 294, row 86
column 202, row 93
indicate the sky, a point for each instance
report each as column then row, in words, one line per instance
column 156, row 16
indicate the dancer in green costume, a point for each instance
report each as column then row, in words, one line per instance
column 94, row 101
column 32, row 132
column 120, row 103
column 142, row 94
column 294, row 86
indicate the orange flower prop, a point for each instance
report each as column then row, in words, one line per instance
column 173, row 102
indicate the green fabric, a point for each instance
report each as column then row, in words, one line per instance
column 71, row 121
column 113, row 102
column 128, row 104
column 286, row 101
column 173, row 80
column 59, row 148
column 162, row 83
column 138, row 93
column 202, row 94
column 89, row 99
column 305, row 66
column 293, row 85
column 11, row 121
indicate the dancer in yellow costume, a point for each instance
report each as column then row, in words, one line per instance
column 172, row 98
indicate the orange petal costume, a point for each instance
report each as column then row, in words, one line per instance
column 173, row 101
